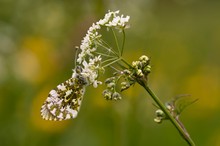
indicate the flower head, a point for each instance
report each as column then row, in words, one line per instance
column 87, row 58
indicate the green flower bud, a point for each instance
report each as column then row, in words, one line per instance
column 116, row 96
column 127, row 72
column 124, row 86
column 144, row 58
column 160, row 113
column 109, row 80
column 135, row 64
column 158, row 120
column 147, row 69
column 111, row 85
column 139, row 73
column 107, row 94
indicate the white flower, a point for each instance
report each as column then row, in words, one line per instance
column 87, row 58
column 117, row 21
column 90, row 70
column 111, row 19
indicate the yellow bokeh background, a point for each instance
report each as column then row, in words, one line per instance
column 37, row 52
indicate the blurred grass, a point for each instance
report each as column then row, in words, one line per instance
column 37, row 40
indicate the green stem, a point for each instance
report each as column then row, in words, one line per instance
column 116, row 60
column 102, row 43
column 125, row 62
column 176, row 123
column 116, row 41
column 123, row 42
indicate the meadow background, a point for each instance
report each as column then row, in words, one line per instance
column 37, row 43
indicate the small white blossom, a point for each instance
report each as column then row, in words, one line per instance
column 112, row 20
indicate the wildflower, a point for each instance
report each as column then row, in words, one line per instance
column 64, row 101
column 91, row 42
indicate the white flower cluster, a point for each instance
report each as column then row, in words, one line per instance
column 112, row 20
column 89, row 62
column 91, row 69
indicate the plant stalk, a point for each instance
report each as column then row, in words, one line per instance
column 178, row 125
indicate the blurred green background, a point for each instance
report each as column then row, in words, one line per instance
column 37, row 42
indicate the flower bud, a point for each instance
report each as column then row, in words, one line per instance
column 160, row 113
column 144, row 58
column 160, row 116
column 107, row 94
column 116, row 96
column 158, row 120
column 140, row 73
column 109, row 80
column 127, row 72
column 135, row 64
column 124, row 86
column 147, row 69
column 111, row 85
